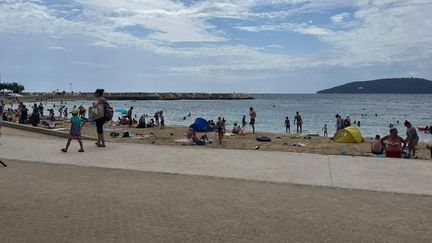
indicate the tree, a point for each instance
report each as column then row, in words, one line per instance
column 14, row 87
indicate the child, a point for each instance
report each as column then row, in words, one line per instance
column 162, row 120
column 376, row 145
column 75, row 131
column 287, row 125
column 324, row 129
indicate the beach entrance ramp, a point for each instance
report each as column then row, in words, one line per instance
column 348, row 135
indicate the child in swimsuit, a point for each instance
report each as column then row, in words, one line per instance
column 412, row 139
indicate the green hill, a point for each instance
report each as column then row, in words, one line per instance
column 384, row 86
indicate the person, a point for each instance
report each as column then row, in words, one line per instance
column 392, row 144
column 252, row 119
column 60, row 112
column 244, row 123
column 339, row 122
column 223, row 123
column 412, row 139
column 66, row 113
column 220, row 129
column 347, row 122
column 358, row 123
column 191, row 135
column 287, row 125
column 325, row 130
column 23, row 115
column 151, row 124
column 35, row 118
column 51, row 114
column 236, row 128
column 376, row 145
column 156, row 118
column 41, row 109
column 75, row 131
column 100, row 101
column 162, row 120
column 2, row 109
column 129, row 115
column 141, row 123
column 299, row 121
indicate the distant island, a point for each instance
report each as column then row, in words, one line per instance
column 384, row 86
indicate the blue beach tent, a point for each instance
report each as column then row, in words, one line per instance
column 201, row 125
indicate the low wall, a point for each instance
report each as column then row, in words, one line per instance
column 41, row 130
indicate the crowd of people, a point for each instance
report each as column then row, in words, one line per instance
column 392, row 145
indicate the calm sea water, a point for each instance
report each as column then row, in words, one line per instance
column 316, row 110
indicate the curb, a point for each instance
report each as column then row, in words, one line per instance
column 41, row 130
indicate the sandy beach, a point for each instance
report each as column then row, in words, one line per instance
column 280, row 142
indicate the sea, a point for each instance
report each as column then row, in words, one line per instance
column 374, row 111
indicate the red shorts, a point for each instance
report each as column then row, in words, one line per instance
column 393, row 154
column 75, row 135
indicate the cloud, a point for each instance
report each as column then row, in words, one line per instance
column 374, row 32
column 56, row 48
column 338, row 18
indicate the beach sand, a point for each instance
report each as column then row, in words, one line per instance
column 280, row 142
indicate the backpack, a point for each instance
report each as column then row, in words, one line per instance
column 108, row 111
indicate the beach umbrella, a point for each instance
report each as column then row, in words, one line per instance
column 121, row 110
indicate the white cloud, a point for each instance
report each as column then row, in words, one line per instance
column 56, row 48
column 380, row 31
column 338, row 18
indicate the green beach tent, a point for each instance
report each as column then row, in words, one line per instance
column 348, row 135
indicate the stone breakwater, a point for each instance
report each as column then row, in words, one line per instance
column 137, row 96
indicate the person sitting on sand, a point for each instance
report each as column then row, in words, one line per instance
column 75, row 131
column 236, row 128
column 287, row 125
column 376, row 145
column 393, row 144
column 141, row 122
column 191, row 135
column 151, row 123
column 412, row 139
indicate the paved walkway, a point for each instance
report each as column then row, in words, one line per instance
column 388, row 175
column 60, row 203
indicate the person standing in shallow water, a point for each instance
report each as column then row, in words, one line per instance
column 299, row 122
column 252, row 119
column 287, row 125
column 100, row 100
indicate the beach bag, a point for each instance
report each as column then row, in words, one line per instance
column 108, row 111
column 96, row 112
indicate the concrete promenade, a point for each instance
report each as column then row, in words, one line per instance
column 386, row 175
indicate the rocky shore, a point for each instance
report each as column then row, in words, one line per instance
column 135, row 96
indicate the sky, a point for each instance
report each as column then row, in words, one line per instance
column 252, row 46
